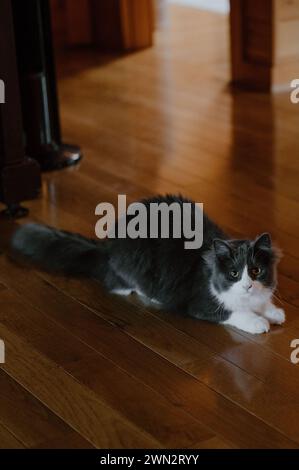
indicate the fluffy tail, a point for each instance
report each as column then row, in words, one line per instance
column 58, row 251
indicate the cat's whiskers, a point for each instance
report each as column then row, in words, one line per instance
column 219, row 308
column 278, row 298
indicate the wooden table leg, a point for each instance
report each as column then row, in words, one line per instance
column 264, row 43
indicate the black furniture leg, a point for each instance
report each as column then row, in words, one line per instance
column 38, row 86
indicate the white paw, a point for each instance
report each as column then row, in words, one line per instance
column 249, row 322
column 258, row 325
column 276, row 316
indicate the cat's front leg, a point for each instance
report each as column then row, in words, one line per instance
column 248, row 321
column 273, row 314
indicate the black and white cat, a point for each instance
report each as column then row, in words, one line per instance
column 225, row 281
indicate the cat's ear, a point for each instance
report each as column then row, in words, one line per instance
column 263, row 242
column 221, row 248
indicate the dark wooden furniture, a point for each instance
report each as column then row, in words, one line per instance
column 264, row 43
column 19, row 175
column 30, row 138
column 113, row 25
column 33, row 33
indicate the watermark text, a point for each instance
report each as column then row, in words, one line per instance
column 151, row 220
column 294, row 97
column 2, row 352
column 2, row 92
column 295, row 353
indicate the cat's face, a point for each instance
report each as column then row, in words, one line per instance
column 244, row 269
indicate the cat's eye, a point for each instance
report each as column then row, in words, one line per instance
column 234, row 273
column 256, row 271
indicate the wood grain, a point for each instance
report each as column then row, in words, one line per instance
column 8, row 441
column 32, row 424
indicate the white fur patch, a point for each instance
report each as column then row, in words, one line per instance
column 274, row 314
column 124, row 292
column 248, row 321
column 245, row 294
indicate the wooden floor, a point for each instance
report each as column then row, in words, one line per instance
column 85, row 369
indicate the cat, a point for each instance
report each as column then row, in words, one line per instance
column 226, row 281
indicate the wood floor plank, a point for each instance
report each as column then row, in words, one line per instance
column 69, row 440
column 8, row 441
column 56, row 343
column 139, row 403
column 73, row 402
column 242, row 351
column 152, row 371
column 29, row 420
column 255, row 360
column 151, row 412
column 214, row 443
column 171, row 343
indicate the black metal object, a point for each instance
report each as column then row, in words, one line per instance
column 36, row 66
column 14, row 211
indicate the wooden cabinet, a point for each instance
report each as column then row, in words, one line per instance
column 118, row 25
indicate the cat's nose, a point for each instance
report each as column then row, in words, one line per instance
column 248, row 287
